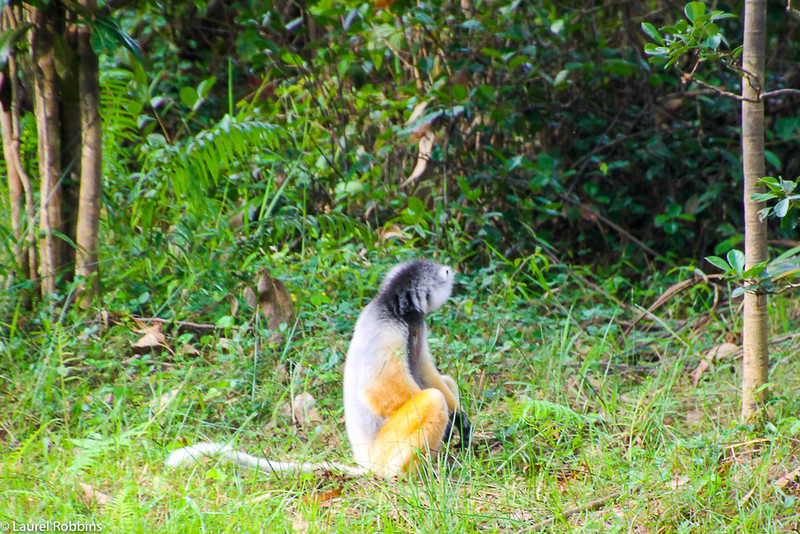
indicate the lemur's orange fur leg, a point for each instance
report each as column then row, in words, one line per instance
column 416, row 428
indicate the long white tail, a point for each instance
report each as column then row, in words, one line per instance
column 193, row 453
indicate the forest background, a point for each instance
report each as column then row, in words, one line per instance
column 263, row 163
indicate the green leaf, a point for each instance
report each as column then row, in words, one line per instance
column 772, row 159
column 516, row 61
column 694, row 10
column 787, row 186
column 762, row 197
column 350, row 189
column 424, row 18
column 651, row 49
column 560, row 78
column 782, row 208
column 727, row 244
column 107, row 36
column 713, row 42
column 700, row 21
column 736, row 260
column 719, row 15
column 226, row 321
column 414, row 212
column 618, row 66
column 755, row 270
column 491, row 52
column 188, row 96
column 652, row 32
column 787, row 255
column 458, row 92
column 487, row 92
column 718, row 262
column 204, row 88
column 472, row 24
column 292, row 59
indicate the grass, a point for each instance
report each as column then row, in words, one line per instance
column 572, row 417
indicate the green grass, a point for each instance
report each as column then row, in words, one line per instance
column 567, row 409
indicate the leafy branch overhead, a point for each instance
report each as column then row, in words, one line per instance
column 700, row 36
column 699, row 33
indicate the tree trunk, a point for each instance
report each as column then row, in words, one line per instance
column 16, row 193
column 30, row 207
column 754, row 330
column 47, row 123
column 19, row 185
column 91, row 191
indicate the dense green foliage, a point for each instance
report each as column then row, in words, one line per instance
column 547, row 118
column 550, row 128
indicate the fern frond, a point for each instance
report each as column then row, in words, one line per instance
column 190, row 169
column 119, row 111
column 532, row 411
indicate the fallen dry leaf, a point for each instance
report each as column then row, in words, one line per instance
column 304, row 410
column 92, row 496
column 698, row 372
column 274, row 302
column 188, row 350
column 152, row 339
column 679, row 482
column 251, row 298
column 694, row 417
column 323, row 497
column 300, row 524
column 786, row 479
column 713, row 355
column 721, row 351
column 234, row 302
column 389, row 231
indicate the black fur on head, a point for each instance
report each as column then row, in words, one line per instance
column 408, row 291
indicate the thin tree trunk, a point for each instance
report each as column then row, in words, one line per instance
column 47, row 122
column 30, row 207
column 70, row 135
column 16, row 193
column 91, row 192
column 19, row 187
column 754, row 330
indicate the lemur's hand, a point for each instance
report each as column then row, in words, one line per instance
column 458, row 419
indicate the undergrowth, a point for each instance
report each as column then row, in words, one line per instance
column 584, row 420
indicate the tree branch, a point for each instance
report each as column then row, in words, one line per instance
column 687, row 77
column 780, row 92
